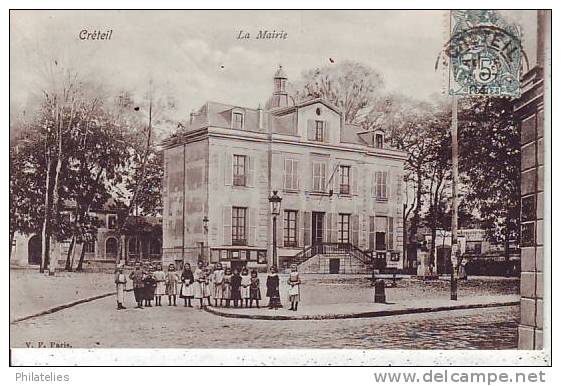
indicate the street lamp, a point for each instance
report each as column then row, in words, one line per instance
column 205, row 231
column 275, row 201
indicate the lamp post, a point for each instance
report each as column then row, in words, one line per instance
column 275, row 201
column 205, row 231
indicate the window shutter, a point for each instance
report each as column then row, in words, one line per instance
column 227, row 222
column 335, row 185
column 327, row 228
column 372, row 233
column 354, row 229
column 286, row 176
column 311, row 127
column 306, row 229
column 354, row 180
column 323, row 177
column 390, row 234
column 252, row 226
column 326, row 132
column 295, row 179
column 228, row 160
column 250, row 171
column 388, row 184
column 373, row 184
column 334, row 227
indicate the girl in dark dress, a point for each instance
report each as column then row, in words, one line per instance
column 235, row 285
column 149, row 288
column 254, row 291
column 273, row 289
column 187, row 280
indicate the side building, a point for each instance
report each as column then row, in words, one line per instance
column 341, row 188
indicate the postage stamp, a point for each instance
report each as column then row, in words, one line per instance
column 485, row 54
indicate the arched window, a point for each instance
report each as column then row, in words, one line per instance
column 111, row 247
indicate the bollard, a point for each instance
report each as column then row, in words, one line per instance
column 379, row 291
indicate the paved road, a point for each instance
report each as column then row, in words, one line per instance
column 99, row 325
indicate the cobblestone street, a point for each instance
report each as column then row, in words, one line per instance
column 178, row 327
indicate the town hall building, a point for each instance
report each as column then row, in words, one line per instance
column 341, row 188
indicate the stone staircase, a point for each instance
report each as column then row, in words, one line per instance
column 317, row 258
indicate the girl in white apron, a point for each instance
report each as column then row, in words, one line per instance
column 187, row 286
column 172, row 278
column 199, row 283
column 246, row 282
column 160, row 277
column 294, row 288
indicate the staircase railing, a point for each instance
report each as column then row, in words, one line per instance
column 365, row 257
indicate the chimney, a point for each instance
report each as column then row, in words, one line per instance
column 259, row 117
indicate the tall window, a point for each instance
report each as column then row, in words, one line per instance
column 237, row 120
column 381, row 179
column 239, row 169
column 344, row 187
column 239, row 225
column 318, row 176
column 290, row 228
column 291, row 174
column 344, row 226
column 319, row 134
column 379, row 141
column 111, row 221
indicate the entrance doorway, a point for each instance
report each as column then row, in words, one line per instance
column 334, row 266
column 317, row 228
column 34, row 249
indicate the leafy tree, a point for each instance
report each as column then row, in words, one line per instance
column 490, row 165
column 352, row 87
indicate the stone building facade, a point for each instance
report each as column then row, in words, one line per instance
column 142, row 244
column 341, row 187
column 529, row 112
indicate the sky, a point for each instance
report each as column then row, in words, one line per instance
column 195, row 56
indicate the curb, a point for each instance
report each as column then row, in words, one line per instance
column 64, row 306
column 367, row 314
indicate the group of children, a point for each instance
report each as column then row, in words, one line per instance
column 225, row 286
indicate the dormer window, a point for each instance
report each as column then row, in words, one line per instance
column 237, row 121
column 379, row 140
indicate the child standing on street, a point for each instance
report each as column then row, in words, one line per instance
column 121, row 283
column 235, row 285
column 294, row 288
column 149, row 288
column 187, row 284
column 172, row 278
column 273, row 289
column 207, row 289
column 226, row 289
column 218, row 280
column 246, row 282
column 160, row 277
column 254, row 291
column 137, row 277
column 199, row 283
